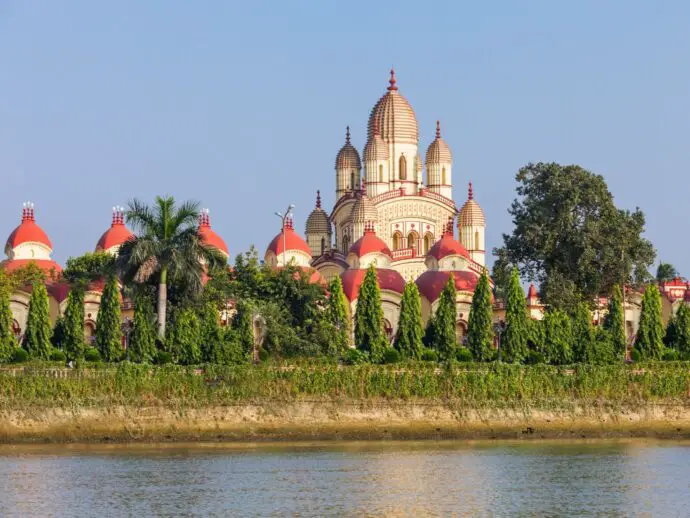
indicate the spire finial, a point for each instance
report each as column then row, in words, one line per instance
column 438, row 129
column 318, row 199
column 392, row 81
column 449, row 226
column 27, row 211
column 470, row 192
column 364, row 185
column 347, row 134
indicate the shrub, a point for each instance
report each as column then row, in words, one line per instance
column 163, row 358
column 391, row 355
column 355, row 357
column 464, row 355
column 429, row 355
column 635, row 355
column 263, row 354
column 92, row 355
column 670, row 355
column 19, row 355
column 58, row 356
column 535, row 358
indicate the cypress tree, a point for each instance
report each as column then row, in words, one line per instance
column 186, row 337
column 108, row 331
column 514, row 340
column 369, row 331
column 7, row 339
column 583, row 334
column 603, row 352
column 244, row 329
column 142, row 340
column 338, row 312
column 535, row 335
column 443, row 335
column 73, row 341
column 614, row 322
column 212, row 336
column 679, row 329
column 558, row 337
column 650, row 335
column 38, row 332
column 480, row 332
column 410, row 333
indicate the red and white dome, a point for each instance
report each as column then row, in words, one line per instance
column 431, row 282
column 209, row 237
column 389, row 280
column 28, row 243
column 288, row 246
column 369, row 249
column 447, row 246
column 27, row 232
column 116, row 235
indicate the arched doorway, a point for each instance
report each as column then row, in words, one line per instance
column 397, row 241
column 428, row 240
column 89, row 332
column 16, row 329
column 388, row 328
column 412, row 240
column 402, row 168
column 460, row 331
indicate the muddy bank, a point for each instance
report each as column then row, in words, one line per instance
column 308, row 421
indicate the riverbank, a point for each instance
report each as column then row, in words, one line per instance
column 321, row 402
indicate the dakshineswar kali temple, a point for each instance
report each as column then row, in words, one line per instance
column 387, row 212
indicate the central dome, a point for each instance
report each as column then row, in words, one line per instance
column 394, row 118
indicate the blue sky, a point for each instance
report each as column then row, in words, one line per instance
column 243, row 106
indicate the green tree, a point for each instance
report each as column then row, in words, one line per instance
column 167, row 249
column 369, row 331
column 514, row 339
column 583, row 334
column 185, row 337
column 108, row 331
column 410, row 333
column 480, row 333
column 338, row 315
column 88, row 267
column 443, row 338
column 565, row 218
column 142, row 340
column 73, row 341
column 244, row 327
column 8, row 341
column 558, row 335
column 535, row 335
column 212, row 335
column 678, row 331
column 666, row 272
column 38, row 331
column 603, row 350
column 650, row 334
column 614, row 322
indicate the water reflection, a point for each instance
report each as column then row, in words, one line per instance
column 356, row 479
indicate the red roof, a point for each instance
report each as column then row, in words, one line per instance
column 117, row 234
column 446, row 246
column 47, row 265
column 292, row 241
column 532, row 292
column 208, row 236
column 431, row 282
column 27, row 232
column 370, row 243
column 388, row 280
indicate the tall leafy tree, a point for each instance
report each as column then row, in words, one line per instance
column 678, row 331
column 558, row 337
column 370, row 335
column 142, row 340
column 408, row 338
column 185, row 337
column 666, row 272
column 108, row 331
column 73, row 340
column 244, row 328
column 38, row 331
column 443, row 337
column 614, row 322
column 583, row 334
column 212, row 335
column 480, row 333
column 7, row 339
column 338, row 314
column 514, row 340
column 650, row 334
column 565, row 218
column 167, row 249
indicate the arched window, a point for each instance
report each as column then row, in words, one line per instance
column 16, row 329
column 89, row 332
column 476, row 240
column 323, row 245
column 412, row 240
column 352, row 181
column 346, row 244
column 402, row 167
column 427, row 243
column 388, row 328
column 443, row 176
column 396, row 241
column 380, row 173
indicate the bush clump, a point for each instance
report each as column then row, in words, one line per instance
column 463, row 354
column 429, row 355
column 58, row 356
column 163, row 358
column 391, row 356
column 20, row 355
column 92, row 355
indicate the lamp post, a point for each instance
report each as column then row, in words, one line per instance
column 499, row 329
column 284, row 218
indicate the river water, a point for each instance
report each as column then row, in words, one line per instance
column 593, row 478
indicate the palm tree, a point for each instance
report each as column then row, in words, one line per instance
column 166, row 249
column 666, row 272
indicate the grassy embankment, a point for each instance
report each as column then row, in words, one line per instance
column 319, row 401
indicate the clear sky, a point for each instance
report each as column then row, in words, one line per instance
column 243, row 105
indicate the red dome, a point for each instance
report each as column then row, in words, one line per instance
column 370, row 243
column 388, row 280
column 431, row 283
column 448, row 245
column 117, row 234
column 209, row 237
column 292, row 241
column 27, row 232
column 532, row 292
column 47, row 265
